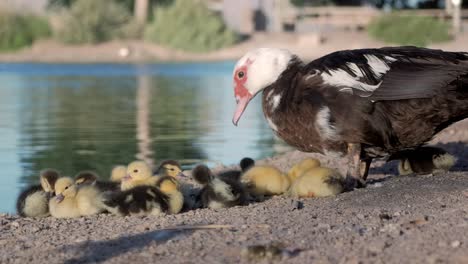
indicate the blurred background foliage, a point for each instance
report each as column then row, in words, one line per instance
column 17, row 31
column 90, row 21
column 409, row 30
column 190, row 26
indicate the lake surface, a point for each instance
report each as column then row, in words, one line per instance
column 76, row 117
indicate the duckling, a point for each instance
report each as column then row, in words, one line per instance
column 424, row 160
column 138, row 173
column 170, row 187
column 71, row 201
column 139, row 200
column 91, row 178
column 34, row 200
column 299, row 168
column 117, row 173
column 318, row 182
column 265, row 181
column 218, row 192
column 170, row 168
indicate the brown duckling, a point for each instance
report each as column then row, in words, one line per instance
column 71, row 201
column 117, row 173
column 219, row 192
column 139, row 200
column 34, row 200
column 138, row 173
column 170, row 168
column 170, row 187
column 424, row 160
column 318, row 182
column 91, row 178
column 265, row 180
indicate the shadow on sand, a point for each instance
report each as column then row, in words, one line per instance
column 100, row 251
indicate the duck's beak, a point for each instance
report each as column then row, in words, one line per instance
column 127, row 177
column 59, row 198
column 243, row 98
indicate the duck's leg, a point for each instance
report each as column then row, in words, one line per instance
column 364, row 166
column 357, row 168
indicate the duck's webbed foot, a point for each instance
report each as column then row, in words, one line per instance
column 358, row 165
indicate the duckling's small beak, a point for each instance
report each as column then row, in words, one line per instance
column 59, row 198
column 181, row 174
column 127, row 177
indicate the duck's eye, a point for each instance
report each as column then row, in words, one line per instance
column 240, row 75
column 172, row 169
column 66, row 188
column 135, row 171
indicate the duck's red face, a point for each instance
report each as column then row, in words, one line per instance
column 242, row 95
column 253, row 72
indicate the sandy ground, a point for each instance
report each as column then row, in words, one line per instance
column 307, row 46
column 396, row 219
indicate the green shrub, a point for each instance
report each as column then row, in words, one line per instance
column 409, row 30
column 189, row 25
column 18, row 31
column 93, row 21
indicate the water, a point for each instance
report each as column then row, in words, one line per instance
column 76, row 117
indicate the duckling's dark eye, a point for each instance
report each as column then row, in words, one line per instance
column 135, row 171
column 240, row 75
column 172, row 169
column 66, row 187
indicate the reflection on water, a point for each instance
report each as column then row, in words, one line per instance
column 90, row 117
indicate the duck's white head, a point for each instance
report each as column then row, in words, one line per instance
column 255, row 71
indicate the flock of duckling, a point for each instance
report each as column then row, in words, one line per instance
column 135, row 190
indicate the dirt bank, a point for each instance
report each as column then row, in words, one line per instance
column 397, row 219
column 307, row 46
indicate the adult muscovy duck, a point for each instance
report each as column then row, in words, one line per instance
column 364, row 103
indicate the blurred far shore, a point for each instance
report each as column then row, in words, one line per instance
column 89, row 31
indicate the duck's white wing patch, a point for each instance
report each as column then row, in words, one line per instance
column 324, row 126
column 340, row 78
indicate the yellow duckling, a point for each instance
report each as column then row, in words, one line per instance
column 425, row 160
column 118, row 173
column 71, row 201
column 34, row 201
column 170, row 187
column 318, row 182
column 138, row 173
column 265, row 180
column 91, row 178
column 299, row 168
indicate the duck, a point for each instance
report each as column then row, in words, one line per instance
column 138, row 173
column 318, row 182
column 360, row 104
column 72, row 201
column 139, row 200
column 424, row 160
column 117, row 173
column 170, row 187
column 34, row 200
column 218, row 192
column 264, row 180
column 304, row 165
column 91, row 178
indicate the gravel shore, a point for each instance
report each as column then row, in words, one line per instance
column 396, row 219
